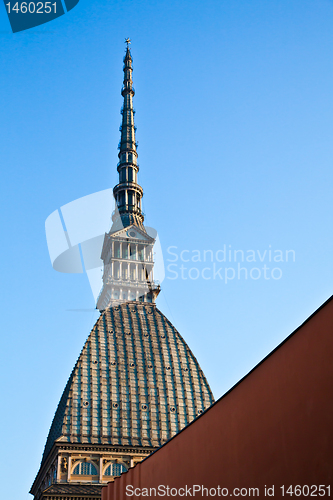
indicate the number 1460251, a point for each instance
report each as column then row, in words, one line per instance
column 32, row 7
column 306, row 491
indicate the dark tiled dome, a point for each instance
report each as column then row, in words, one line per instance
column 136, row 383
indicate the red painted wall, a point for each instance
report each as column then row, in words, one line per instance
column 275, row 427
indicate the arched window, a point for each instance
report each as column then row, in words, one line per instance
column 114, row 470
column 117, row 250
column 130, row 198
column 85, row 468
column 132, row 252
column 121, row 199
column 123, row 175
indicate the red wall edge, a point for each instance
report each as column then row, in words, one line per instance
column 275, row 428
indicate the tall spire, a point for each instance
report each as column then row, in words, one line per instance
column 128, row 247
column 127, row 141
column 128, row 192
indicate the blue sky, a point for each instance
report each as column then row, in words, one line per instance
column 234, row 113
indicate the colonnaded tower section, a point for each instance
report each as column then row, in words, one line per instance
column 136, row 382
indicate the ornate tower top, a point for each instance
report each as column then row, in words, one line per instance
column 128, row 248
column 127, row 192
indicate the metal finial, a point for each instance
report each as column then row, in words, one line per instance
column 128, row 41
